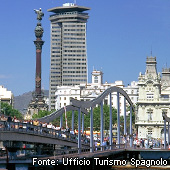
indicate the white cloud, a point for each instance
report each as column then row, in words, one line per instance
column 3, row 76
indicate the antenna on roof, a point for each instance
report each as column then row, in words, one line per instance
column 74, row 1
column 151, row 50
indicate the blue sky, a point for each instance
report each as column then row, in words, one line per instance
column 120, row 35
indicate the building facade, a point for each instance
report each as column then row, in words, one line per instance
column 68, row 48
column 92, row 90
column 153, row 100
column 6, row 96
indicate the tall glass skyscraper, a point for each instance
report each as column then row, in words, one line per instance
column 68, row 48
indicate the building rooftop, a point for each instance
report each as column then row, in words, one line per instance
column 151, row 59
column 165, row 70
column 68, row 8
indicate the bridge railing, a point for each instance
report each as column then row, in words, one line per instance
column 85, row 150
column 75, row 151
column 39, row 130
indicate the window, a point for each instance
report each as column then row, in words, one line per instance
column 149, row 96
column 95, row 79
column 64, row 98
column 150, row 113
column 149, row 132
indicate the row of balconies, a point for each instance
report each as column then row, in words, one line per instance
column 149, row 122
column 156, row 100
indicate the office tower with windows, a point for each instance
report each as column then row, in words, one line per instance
column 68, row 48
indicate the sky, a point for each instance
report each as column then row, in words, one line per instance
column 120, row 35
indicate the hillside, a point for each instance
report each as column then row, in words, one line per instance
column 21, row 102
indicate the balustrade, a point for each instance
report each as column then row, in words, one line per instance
column 39, row 130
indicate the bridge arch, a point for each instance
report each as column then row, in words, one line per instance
column 99, row 101
column 94, row 102
column 81, row 106
column 59, row 113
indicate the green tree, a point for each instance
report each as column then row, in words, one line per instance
column 41, row 113
column 7, row 110
column 127, row 121
column 96, row 117
column 133, row 115
column 56, row 122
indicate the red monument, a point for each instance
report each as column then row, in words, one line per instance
column 38, row 102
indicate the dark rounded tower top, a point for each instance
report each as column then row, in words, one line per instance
column 39, row 30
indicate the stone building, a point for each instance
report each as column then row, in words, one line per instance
column 6, row 96
column 153, row 100
column 92, row 90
